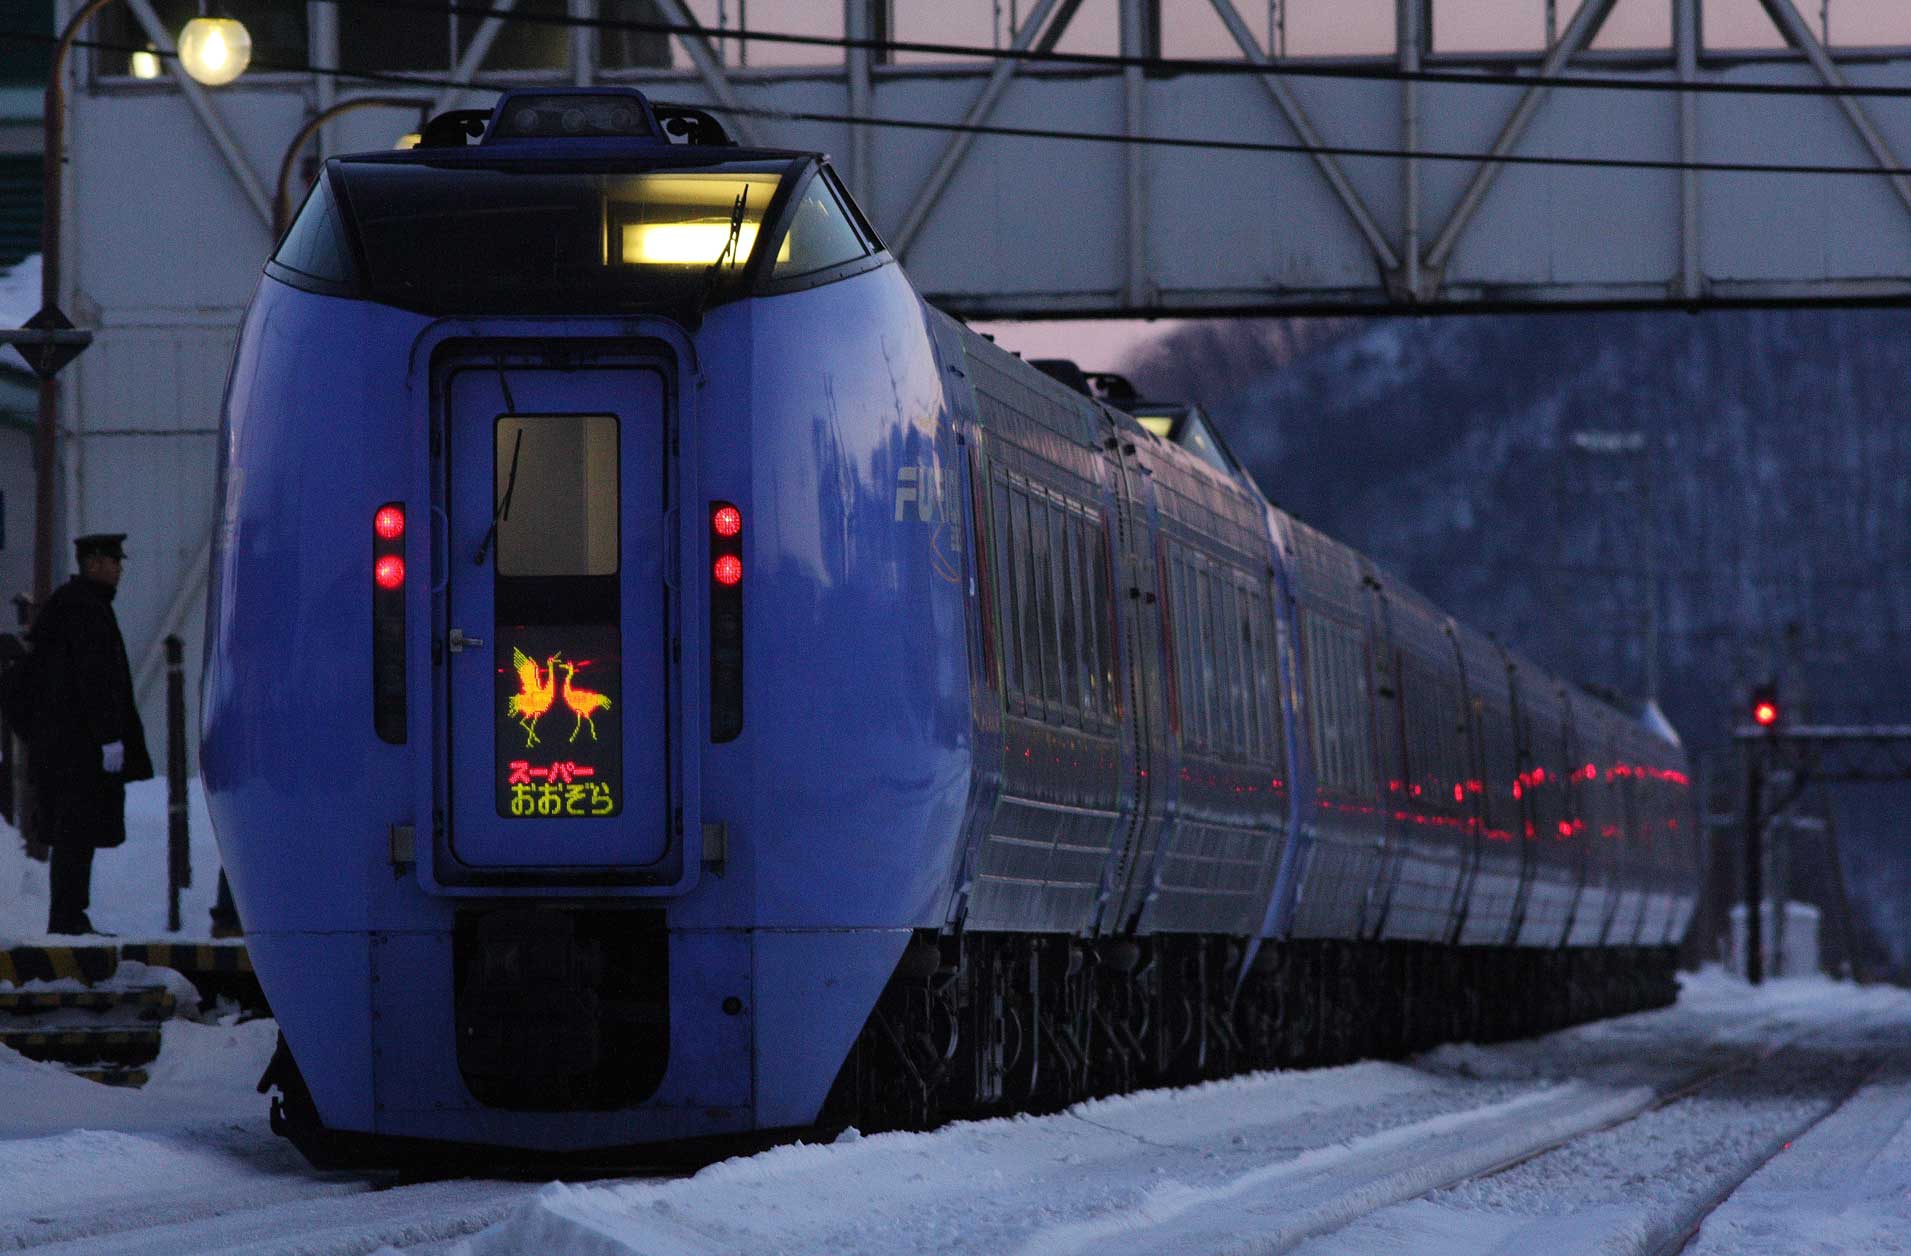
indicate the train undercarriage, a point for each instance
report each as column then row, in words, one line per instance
column 987, row 1024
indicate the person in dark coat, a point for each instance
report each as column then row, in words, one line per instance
column 86, row 740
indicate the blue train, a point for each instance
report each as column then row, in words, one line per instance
column 665, row 681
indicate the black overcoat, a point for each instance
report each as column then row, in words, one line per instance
column 83, row 699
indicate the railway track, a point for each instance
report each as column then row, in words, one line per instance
column 1735, row 1119
column 1325, row 1202
column 1485, row 1142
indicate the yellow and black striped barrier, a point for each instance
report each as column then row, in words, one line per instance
column 58, row 963
column 124, row 1045
column 148, row 1003
column 190, row 958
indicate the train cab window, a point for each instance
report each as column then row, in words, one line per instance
column 1198, row 439
column 554, row 240
column 820, row 234
column 315, row 244
column 686, row 218
column 556, row 489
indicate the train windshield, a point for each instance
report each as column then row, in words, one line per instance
column 471, row 239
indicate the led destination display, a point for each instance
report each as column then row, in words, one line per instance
column 558, row 733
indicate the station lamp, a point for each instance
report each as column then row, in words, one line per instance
column 215, row 50
column 1765, row 705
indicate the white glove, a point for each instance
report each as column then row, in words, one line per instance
column 113, row 758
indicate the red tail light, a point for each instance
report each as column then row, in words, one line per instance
column 388, row 622
column 726, row 622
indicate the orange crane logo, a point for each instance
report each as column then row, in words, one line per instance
column 537, row 690
column 584, row 703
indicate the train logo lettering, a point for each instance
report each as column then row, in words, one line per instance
column 923, row 486
column 558, row 789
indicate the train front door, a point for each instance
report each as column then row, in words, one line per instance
column 556, row 680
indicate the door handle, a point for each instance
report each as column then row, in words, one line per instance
column 457, row 641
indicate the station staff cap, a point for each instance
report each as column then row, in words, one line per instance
column 104, row 544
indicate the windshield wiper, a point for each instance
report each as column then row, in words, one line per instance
column 729, row 253
column 504, row 503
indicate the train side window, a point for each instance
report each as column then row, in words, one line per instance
column 820, row 234
column 1311, row 687
column 1029, row 606
column 1188, row 644
column 1089, row 660
column 1211, row 717
column 1360, row 719
column 1007, row 596
column 1254, row 641
column 1497, row 786
column 1102, row 562
column 1221, row 697
column 1227, row 683
column 1067, row 590
column 1242, row 647
column 1039, row 514
column 1254, row 628
column 1337, row 715
column 1243, row 692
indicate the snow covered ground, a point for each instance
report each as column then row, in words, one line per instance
column 129, row 881
column 1790, row 1104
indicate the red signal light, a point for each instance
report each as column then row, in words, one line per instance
column 728, row 570
column 726, row 521
column 1765, row 714
column 389, row 522
column 389, row 572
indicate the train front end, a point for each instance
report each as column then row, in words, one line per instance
column 529, row 853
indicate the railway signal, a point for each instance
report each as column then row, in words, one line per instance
column 1765, row 709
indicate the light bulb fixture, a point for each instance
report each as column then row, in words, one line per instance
column 145, row 64
column 215, row 50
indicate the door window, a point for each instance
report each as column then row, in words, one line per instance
column 556, row 489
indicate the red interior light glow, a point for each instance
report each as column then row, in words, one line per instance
column 728, row 570
column 727, row 521
column 389, row 572
column 1766, row 713
column 389, row 523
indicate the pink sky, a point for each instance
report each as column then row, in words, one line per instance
column 1097, row 344
column 1191, row 28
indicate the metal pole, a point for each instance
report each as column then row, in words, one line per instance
column 178, row 836
column 1754, row 863
column 1409, row 36
column 46, row 426
column 858, row 25
column 52, row 170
